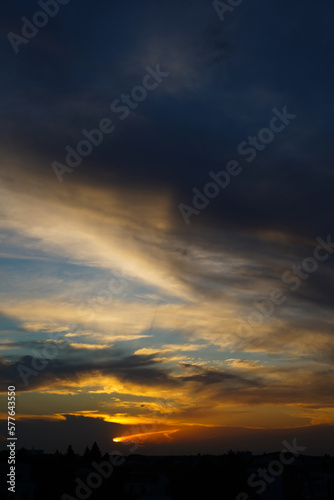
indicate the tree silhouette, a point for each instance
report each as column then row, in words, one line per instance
column 95, row 452
column 70, row 452
column 87, row 454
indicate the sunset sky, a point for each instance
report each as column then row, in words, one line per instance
column 149, row 324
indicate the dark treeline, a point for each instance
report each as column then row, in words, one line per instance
column 232, row 476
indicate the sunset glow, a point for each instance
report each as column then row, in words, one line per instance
column 144, row 436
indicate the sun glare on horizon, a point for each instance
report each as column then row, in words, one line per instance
column 136, row 437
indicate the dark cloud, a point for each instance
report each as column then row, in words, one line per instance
column 70, row 85
column 316, row 439
column 206, row 377
column 79, row 431
column 74, row 364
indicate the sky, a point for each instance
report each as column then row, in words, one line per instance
column 166, row 224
